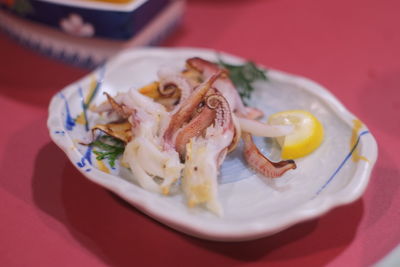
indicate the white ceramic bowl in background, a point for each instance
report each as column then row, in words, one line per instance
column 337, row 173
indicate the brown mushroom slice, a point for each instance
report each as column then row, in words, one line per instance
column 121, row 109
column 119, row 130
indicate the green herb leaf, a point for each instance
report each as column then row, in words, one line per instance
column 110, row 148
column 243, row 76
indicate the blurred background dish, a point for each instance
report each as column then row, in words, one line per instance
column 85, row 32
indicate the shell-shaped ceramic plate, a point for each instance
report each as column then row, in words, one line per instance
column 337, row 173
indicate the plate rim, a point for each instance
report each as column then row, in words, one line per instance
column 309, row 210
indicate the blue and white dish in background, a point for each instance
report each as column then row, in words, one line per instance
column 89, row 18
column 79, row 41
column 337, row 173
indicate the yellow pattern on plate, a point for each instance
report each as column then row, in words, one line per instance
column 357, row 125
column 102, row 167
column 92, row 89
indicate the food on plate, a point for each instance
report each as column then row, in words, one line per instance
column 262, row 164
column 178, row 130
column 306, row 137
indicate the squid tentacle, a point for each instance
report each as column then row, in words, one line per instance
column 262, row 164
column 225, row 85
column 168, row 89
column 193, row 129
column 186, row 109
column 216, row 110
column 225, row 118
column 174, row 85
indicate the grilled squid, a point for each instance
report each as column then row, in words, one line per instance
column 182, row 126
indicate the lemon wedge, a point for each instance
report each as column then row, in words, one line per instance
column 307, row 135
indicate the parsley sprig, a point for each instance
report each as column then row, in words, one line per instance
column 110, row 148
column 243, row 76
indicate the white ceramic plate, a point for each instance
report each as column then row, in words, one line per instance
column 337, row 173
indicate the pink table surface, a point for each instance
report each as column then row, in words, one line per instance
column 50, row 215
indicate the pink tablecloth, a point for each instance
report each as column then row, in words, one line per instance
column 50, row 215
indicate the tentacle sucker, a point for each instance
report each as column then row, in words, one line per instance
column 223, row 115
